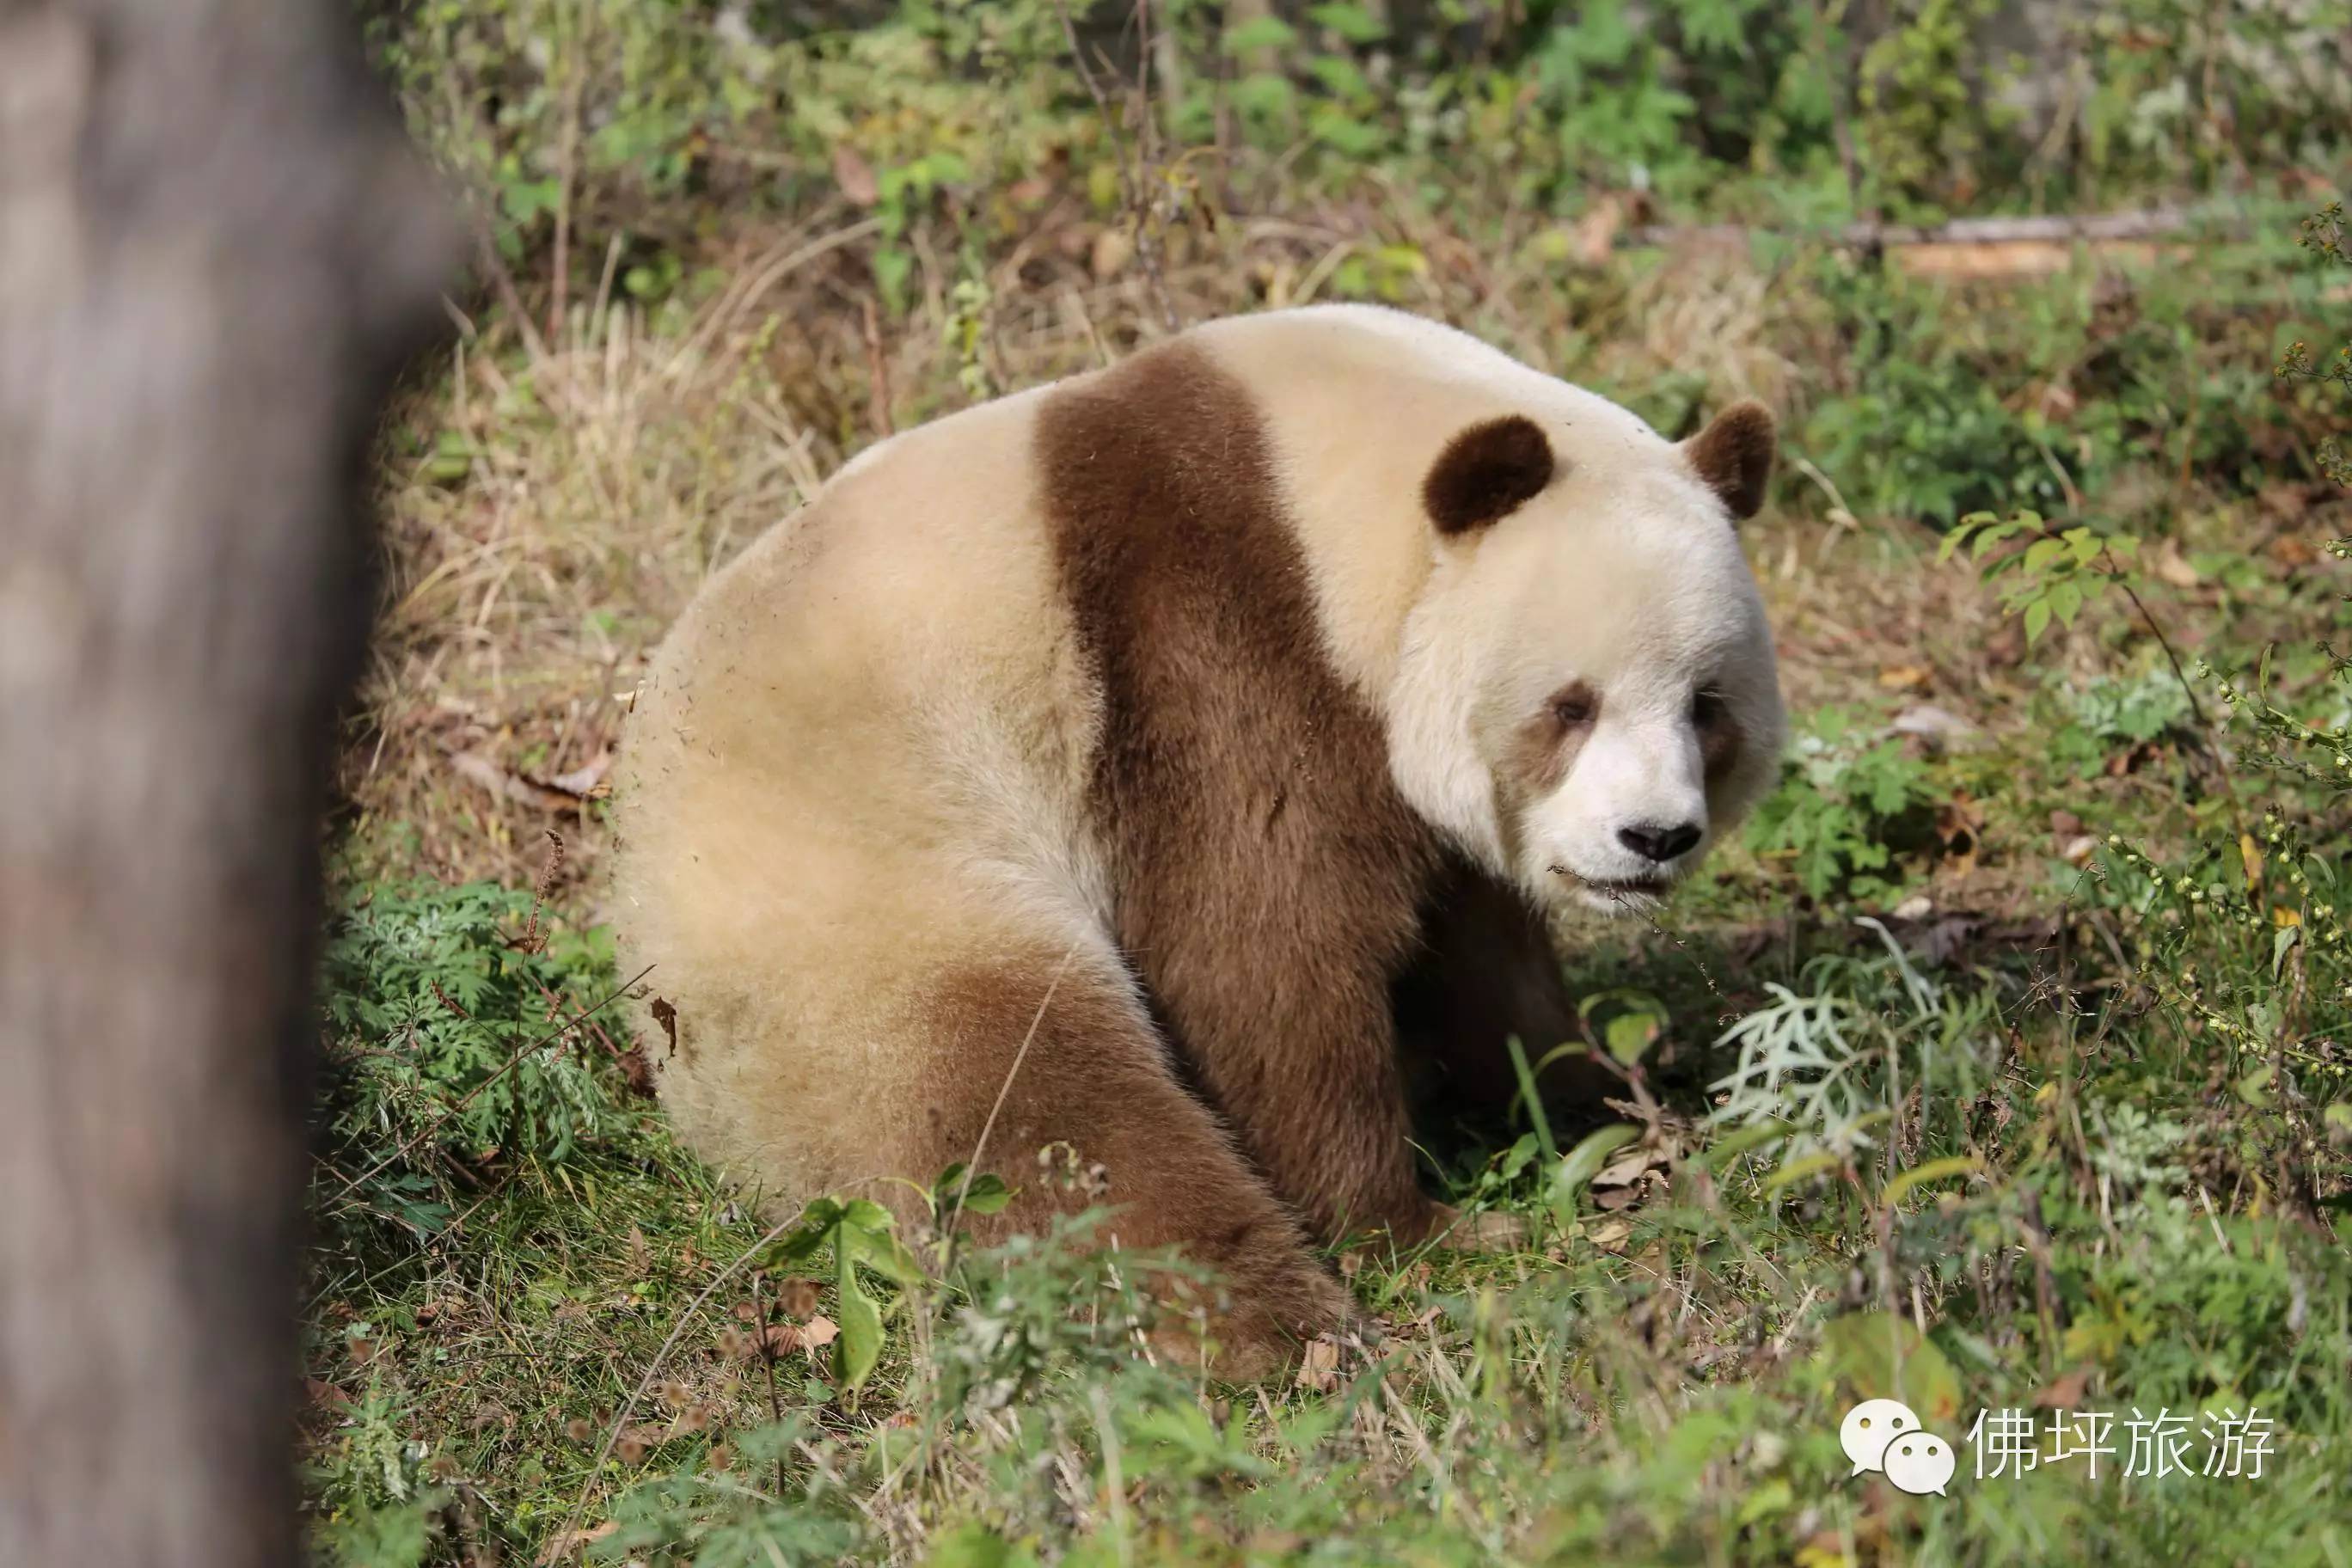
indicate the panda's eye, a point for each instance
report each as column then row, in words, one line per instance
column 1706, row 707
column 1575, row 706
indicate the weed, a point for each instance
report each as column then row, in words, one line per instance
column 1845, row 804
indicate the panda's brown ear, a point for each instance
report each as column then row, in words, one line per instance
column 1734, row 455
column 1484, row 472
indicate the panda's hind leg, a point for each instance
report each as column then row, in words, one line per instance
column 1034, row 1050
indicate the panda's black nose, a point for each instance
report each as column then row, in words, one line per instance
column 1653, row 842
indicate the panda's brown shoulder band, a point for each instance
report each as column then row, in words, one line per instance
column 1235, row 773
column 1487, row 472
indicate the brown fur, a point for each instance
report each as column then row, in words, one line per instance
column 1485, row 473
column 1719, row 739
column 1081, row 1065
column 1487, row 973
column 1267, row 870
column 1734, row 456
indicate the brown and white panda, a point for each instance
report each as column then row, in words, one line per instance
column 1089, row 767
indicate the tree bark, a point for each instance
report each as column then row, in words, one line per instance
column 214, row 251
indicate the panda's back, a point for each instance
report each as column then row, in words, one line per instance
column 881, row 684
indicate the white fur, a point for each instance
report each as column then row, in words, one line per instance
column 1624, row 574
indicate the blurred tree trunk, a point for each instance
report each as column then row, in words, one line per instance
column 215, row 251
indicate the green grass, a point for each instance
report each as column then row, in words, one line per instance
column 1662, row 1382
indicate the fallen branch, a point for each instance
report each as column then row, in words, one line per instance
column 2052, row 229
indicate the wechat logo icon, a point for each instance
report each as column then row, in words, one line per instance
column 1884, row 1434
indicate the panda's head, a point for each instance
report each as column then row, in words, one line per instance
column 1587, row 696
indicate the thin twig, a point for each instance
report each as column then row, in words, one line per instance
column 877, row 372
column 2187, row 685
column 486, row 250
column 1133, row 192
column 955, row 1209
column 768, row 1355
column 2058, row 228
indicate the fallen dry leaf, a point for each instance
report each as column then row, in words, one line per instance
column 476, row 768
column 564, row 1542
column 1318, row 1365
column 2284, row 501
column 818, row 1332
column 1609, row 1235
column 855, row 175
column 1112, row 249
column 1610, row 1200
column 1628, row 1169
column 1594, row 236
column 1903, row 677
column 1938, row 727
column 584, row 782
column 2065, row 1393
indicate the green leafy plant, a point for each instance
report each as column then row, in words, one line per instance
column 460, row 1026
column 1830, row 1066
column 2111, row 711
column 2323, row 239
column 860, row 1236
column 2055, row 572
column 1846, row 793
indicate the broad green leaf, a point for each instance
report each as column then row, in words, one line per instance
column 1882, row 1356
column 1259, row 33
column 1352, row 22
column 1631, row 1031
column 1264, row 95
column 2066, row 598
column 987, row 1195
column 1341, row 76
column 2286, row 938
column 859, row 1344
column 883, row 1252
